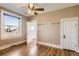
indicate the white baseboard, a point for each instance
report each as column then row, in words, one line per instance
column 48, row 44
column 51, row 45
column 7, row 46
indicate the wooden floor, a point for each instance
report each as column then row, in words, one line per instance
column 36, row 50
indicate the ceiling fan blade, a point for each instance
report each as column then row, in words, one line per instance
column 39, row 9
column 35, row 13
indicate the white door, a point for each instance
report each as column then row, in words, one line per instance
column 31, row 31
column 69, row 33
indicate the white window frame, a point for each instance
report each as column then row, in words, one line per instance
column 6, row 35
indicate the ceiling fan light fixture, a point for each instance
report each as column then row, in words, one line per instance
column 29, row 11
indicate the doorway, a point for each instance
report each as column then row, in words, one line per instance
column 32, row 31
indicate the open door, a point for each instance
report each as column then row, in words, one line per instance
column 31, row 31
column 69, row 33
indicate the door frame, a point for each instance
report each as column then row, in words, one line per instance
column 61, row 33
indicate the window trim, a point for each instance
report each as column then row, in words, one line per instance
column 3, row 32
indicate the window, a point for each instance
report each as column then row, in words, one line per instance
column 11, row 23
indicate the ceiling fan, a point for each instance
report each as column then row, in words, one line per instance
column 33, row 9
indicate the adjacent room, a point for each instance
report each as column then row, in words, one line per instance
column 39, row 29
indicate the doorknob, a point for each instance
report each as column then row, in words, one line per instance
column 64, row 36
